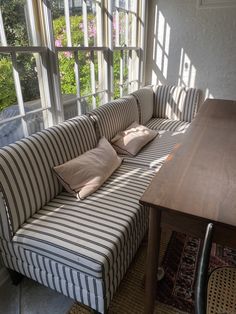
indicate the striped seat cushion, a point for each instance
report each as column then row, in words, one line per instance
column 154, row 154
column 115, row 116
column 57, row 276
column 145, row 100
column 93, row 235
column 167, row 125
column 26, row 178
column 175, row 102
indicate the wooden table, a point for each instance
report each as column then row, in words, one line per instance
column 196, row 185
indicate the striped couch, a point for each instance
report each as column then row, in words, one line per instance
column 82, row 248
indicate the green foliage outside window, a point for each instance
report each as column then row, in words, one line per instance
column 7, row 88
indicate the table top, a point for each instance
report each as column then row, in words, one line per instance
column 199, row 176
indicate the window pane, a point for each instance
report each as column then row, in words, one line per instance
column 86, row 104
column 124, row 23
column 100, row 99
column 26, row 66
column 119, row 68
column 92, row 26
column 116, row 81
column 15, row 17
column 35, row 121
column 70, row 25
column 85, row 81
column 67, row 73
column 59, row 23
column 70, row 109
column 10, row 132
column 8, row 100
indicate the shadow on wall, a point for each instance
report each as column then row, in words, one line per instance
column 192, row 47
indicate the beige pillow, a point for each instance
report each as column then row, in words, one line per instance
column 84, row 174
column 130, row 141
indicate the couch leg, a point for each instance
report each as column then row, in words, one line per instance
column 16, row 277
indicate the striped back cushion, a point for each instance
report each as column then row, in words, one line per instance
column 26, row 179
column 145, row 100
column 174, row 102
column 115, row 116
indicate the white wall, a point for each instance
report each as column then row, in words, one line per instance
column 191, row 46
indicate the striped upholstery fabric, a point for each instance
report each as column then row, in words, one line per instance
column 26, row 178
column 177, row 103
column 154, row 154
column 115, row 116
column 86, row 244
column 167, row 125
column 145, row 100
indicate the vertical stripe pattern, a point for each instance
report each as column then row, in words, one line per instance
column 167, row 125
column 115, row 116
column 145, row 101
column 154, row 154
column 27, row 181
column 175, row 102
column 83, row 248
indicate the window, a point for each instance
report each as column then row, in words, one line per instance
column 24, row 101
column 59, row 59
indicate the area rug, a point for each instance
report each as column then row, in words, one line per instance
column 180, row 264
column 179, row 254
column 129, row 299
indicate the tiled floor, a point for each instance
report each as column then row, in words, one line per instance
column 31, row 298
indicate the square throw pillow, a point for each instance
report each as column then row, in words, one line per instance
column 130, row 141
column 84, row 174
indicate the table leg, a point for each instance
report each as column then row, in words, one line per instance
column 154, row 238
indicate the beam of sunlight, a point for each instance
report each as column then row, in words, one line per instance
column 161, row 45
column 187, row 71
column 208, row 94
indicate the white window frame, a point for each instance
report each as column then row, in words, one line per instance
column 48, row 64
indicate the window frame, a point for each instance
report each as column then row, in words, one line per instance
column 48, row 64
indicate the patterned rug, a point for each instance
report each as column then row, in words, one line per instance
column 180, row 263
column 179, row 254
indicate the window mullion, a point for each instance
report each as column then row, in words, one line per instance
column 77, row 79
column 85, row 22
column 110, row 51
column 2, row 31
column 67, row 18
column 19, row 93
column 130, row 69
column 121, row 72
column 92, row 77
column 127, row 24
column 100, row 39
column 51, row 65
column 143, row 39
column 117, row 35
column 134, row 25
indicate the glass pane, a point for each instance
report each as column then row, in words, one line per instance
column 75, row 34
column 116, row 80
column 26, row 66
column 8, row 100
column 126, row 66
column 67, row 73
column 15, row 14
column 92, row 24
column 35, row 121
column 122, row 28
column 85, row 81
column 70, row 109
column 59, row 23
column 119, row 28
column 10, row 132
column 100, row 99
column 86, row 104
column 76, row 24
